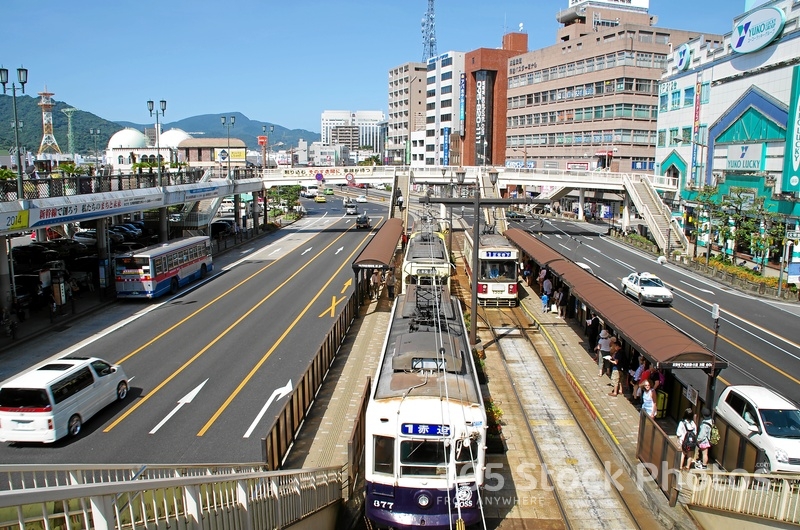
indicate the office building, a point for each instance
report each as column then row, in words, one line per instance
column 406, row 110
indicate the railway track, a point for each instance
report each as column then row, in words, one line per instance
column 577, row 481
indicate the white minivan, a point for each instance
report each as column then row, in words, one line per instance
column 54, row 399
column 768, row 419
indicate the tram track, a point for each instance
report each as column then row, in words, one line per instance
column 560, row 429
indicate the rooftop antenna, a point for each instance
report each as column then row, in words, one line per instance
column 429, row 33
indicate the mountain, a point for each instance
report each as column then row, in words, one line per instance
column 29, row 114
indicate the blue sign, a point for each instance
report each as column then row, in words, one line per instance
column 425, row 429
column 319, row 176
column 498, row 254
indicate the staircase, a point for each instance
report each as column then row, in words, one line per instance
column 667, row 235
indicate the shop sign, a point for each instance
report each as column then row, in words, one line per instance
column 683, row 57
column 745, row 157
column 757, row 29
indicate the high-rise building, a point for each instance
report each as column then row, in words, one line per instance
column 443, row 107
column 406, row 109
column 368, row 123
column 591, row 100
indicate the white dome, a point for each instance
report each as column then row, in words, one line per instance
column 173, row 137
column 127, row 138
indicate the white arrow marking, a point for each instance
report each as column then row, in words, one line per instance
column 339, row 250
column 306, row 251
column 274, row 251
column 279, row 393
column 181, row 402
column 249, row 250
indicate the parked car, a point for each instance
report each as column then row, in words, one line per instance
column 30, row 258
column 769, row 420
column 362, row 221
column 126, row 233
column 133, row 228
column 646, row 288
column 67, row 248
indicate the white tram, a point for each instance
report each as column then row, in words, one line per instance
column 425, row 420
column 427, row 260
column 498, row 270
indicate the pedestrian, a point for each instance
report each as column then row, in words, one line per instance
column 541, row 277
column 592, row 330
column 390, row 280
column 400, row 202
column 603, row 349
column 562, row 303
column 547, row 287
column 687, row 438
column 648, row 400
column 375, row 282
column 636, row 377
column 545, row 299
column 616, row 362
column 704, row 439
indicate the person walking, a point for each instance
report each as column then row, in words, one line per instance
column 375, row 283
column 592, row 330
column 390, row 280
column 603, row 349
column 616, row 365
column 704, row 439
column 648, row 400
column 687, row 438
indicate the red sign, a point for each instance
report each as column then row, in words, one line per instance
column 263, row 140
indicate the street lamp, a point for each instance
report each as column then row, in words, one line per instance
column 22, row 77
column 228, row 126
column 712, row 376
column 162, row 212
column 95, row 134
column 461, row 175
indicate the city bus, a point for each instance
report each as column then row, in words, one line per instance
column 164, row 268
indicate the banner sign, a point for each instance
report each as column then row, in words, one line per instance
column 791, row 156
column 745, row 157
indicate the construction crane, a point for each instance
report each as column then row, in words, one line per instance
column 429, row 33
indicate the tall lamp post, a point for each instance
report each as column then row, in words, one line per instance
column 95, row 135
column 712, row 376
column 476, row 203
column 22, row 77
column 162, row 212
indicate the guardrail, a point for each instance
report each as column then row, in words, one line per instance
column 240, row 500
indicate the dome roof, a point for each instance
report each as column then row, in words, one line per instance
column 127, row 138
column 173, row 137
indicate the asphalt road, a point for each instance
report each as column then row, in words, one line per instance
column 760, row 338
column 209, row 367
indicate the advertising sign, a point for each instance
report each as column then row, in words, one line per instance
column 745, row 157
column 446, row 146
column 683, row 57
column 757, row 29
column 235, row 154
column 791, row 158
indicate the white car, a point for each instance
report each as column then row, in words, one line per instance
column 361, row 198
column 769, row 420
column 646, row 288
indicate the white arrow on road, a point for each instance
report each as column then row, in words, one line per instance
column 279, row 393
column 306, row 251
column 339, row 250
column 274, row 251
column 181, row 402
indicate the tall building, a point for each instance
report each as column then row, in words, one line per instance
column 729, row 115
column 406, row 109
column 368, row 123
column 444, row 102
column 591, row 100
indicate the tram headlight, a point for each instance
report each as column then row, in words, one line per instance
column 424, row 500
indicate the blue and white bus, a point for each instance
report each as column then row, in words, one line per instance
column 164, row 268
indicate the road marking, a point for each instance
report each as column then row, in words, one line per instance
column 697, row 288
column 279, row 393
column 332, row 309
column 338, row 250
column 306, row 251
column 185, row 400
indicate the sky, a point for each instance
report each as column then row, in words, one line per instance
column 281, row 62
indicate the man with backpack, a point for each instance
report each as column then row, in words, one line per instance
column 687, row 438
column 706, row 437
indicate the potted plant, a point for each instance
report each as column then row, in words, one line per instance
column 494, row 428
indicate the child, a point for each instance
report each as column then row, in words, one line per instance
column 545, row 299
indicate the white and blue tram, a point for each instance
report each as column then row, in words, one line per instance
column 425, row 420
column 427, row 260
column 498, row 270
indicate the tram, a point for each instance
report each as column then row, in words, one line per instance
column 425, row 446
column 498, row 270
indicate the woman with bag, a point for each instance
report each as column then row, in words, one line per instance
column 687, row 438
column 704, row 439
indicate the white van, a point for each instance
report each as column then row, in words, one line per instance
column 312, row 191
column 53, row 400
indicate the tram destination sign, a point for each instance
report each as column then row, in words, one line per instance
column 425, row 429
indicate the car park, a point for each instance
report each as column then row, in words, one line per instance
column 511, row 215
column 646, row 288
column 67, row 248
column 770, row 421
column 320, row 198
column 126, row 233
column 362, row 221
column 30, row 258
column 361, row 198
column 133, row 228
column 87, row 237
